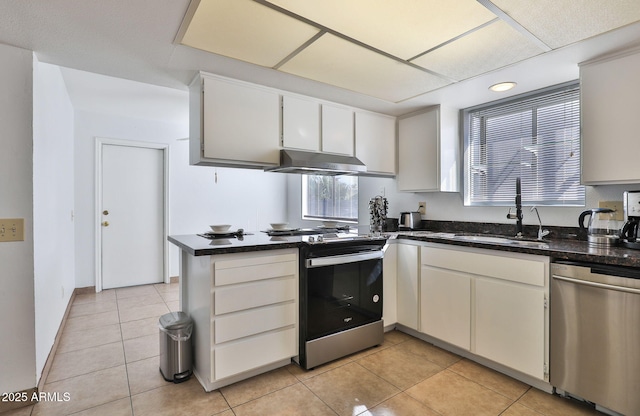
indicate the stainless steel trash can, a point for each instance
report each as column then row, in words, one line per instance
column 175, row 346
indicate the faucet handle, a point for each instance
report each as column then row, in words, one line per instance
column 512, row 216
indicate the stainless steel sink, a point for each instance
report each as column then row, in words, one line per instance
column 483, row 239
column 501, row 240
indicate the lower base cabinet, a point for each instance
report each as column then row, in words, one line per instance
column 245, row 312
column 509, row 325
column 445, row 311
column 407, row 285
column 491, row 303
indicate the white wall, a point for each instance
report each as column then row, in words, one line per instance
column 248, row 199
column 52, row 205
column 87, row 127
column 17, row 348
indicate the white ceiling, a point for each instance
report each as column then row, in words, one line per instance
column 136, row 40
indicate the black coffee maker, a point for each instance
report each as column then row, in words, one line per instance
column 629, row 234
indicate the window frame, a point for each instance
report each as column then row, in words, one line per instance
column 304, row 192
column 465, row 115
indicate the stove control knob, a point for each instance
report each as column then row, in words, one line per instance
column 311, row 239
column 320, row 239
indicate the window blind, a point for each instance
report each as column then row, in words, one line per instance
column 535, row 137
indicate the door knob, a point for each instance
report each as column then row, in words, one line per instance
column 105, row 212
column 105, row 223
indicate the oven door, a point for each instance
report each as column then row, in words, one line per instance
column 343, row 292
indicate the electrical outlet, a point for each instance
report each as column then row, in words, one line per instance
column 11, row 229
column 422, row 208
column 617, row 206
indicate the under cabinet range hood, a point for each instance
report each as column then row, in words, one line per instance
column 299, row 161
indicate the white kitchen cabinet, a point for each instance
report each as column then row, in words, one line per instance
column 609, row 102
column 445, row 305
column 489, row 302
column 407, row 286
column 233, row 123
column 245, row 312
column 316, row 126
column 418, row 147
column 428, row 151
column 509, row 324
column 390, row 284
column 337, row 130
column 300, row 123
column 376, row 142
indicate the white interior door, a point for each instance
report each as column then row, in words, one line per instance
column 132, row 216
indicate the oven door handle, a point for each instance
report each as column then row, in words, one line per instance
column 342, row 259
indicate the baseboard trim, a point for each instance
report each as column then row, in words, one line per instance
column 56, row 342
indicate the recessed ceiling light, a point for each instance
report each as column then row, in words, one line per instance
column 502, row 86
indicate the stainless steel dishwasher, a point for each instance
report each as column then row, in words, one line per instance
column 595, row 334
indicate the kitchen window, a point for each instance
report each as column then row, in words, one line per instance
column 535, row 137
column 333, row 198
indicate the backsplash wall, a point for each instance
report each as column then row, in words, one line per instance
column 450, row 206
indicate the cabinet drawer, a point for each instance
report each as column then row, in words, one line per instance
column 526, row 271
column 251, row 295
column 227, row 272
column 254, row 321
column 237, row 357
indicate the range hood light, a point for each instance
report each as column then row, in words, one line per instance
column 503, row 86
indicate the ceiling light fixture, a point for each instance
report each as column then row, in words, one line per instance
column 502, row 86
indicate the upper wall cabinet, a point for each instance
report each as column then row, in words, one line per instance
column 233, row 123
column 428, row 156
column 376, row 142
column 309, row 124
column 300, row 123
column 337, row 130
column 610, row 98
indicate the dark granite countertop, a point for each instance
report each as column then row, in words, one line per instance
column 558, row 249
column 200, row 246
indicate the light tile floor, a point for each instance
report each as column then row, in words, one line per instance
column 108, row 362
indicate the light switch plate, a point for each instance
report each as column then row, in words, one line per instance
column 614, row 205
column 422, row 208
column 11, row 229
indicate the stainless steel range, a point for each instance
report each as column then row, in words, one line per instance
column 340, row 296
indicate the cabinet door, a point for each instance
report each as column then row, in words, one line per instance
column 408, row 285
column 337, row 130
column 610, row 98
column 300, row 124
column 390, row 286
column 241, row 123
column 509, row 324
column 376, row 142
column 418, row 152
column 445, row 305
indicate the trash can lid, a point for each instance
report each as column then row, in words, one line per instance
column 175, row 320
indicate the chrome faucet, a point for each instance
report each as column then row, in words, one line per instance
column 541, row 232
column 518, row 215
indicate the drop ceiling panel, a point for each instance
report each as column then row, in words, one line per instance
column 402, row 28
column 245, row 30
column 334, row 61
column 492, row 47
column 561, row 22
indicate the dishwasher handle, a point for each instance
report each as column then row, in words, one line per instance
column 598, row 285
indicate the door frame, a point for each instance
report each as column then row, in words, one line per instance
column 99, row 143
